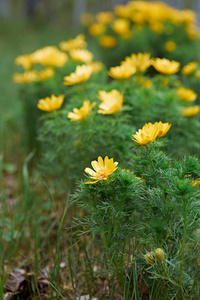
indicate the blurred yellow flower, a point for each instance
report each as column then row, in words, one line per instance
column 50, row 56
column 81, row 113
column 102, row 169
column 141, row 61
column 50, row 103
column 81, row 74
column 187, row 95
column 189, row 16
column 189, row 68
column 76, row 43
column 107, row 41
column 122, row 11
column 121, row 26
column 26, row 61
column 170, row 46
column 46, row 74
column 190, row 111
column 81, row 55
column 166, row 66
column 123, row 71
column 111, row 102
column 196, row 182
column 150, row 132
column 104, row 17
column 192, row 31
column 97, row 29
column 197, row 74
column 26, row 77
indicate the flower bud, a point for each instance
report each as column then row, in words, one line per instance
column 149, row 258
column 159, row 254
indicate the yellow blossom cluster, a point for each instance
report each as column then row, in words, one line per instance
column 150, row 132
column 132, row 64
column 33, row 75
column 156, row 15
column 51, row 56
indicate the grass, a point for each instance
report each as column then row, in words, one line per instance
column 40, row 256
column 33, row 234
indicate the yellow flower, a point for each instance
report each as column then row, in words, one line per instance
column 107, row 41
column 192, row 31
column 121, row 26
column 81, row 74
column 189, row 16
column 81, row 55
column 190, row 111
column 123, row 71
column 50, row 56
column 111, row 102
column 149, row 257
column 163, row 128
column 97, row 66
column 197, row 74
column 46, row 73
column 26, row 77
column 150, row 132
column 141, row 61
column 170, row 46
column 189, row 68
column 76, row 43
column 122, row 11
column 26, row 61
column 97, row 29
column 103, row 169
column 81, row 113
column 166, row 66
column 196, row 182
column 104, row 17
column 50, row 103
column 187, row 95
column 159, row 254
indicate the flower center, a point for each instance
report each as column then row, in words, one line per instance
column 102, row 174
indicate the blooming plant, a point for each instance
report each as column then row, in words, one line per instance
column 102, row 169
column 156, row 211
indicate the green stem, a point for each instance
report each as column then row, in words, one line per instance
column 120, row 274
column 183, row 247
